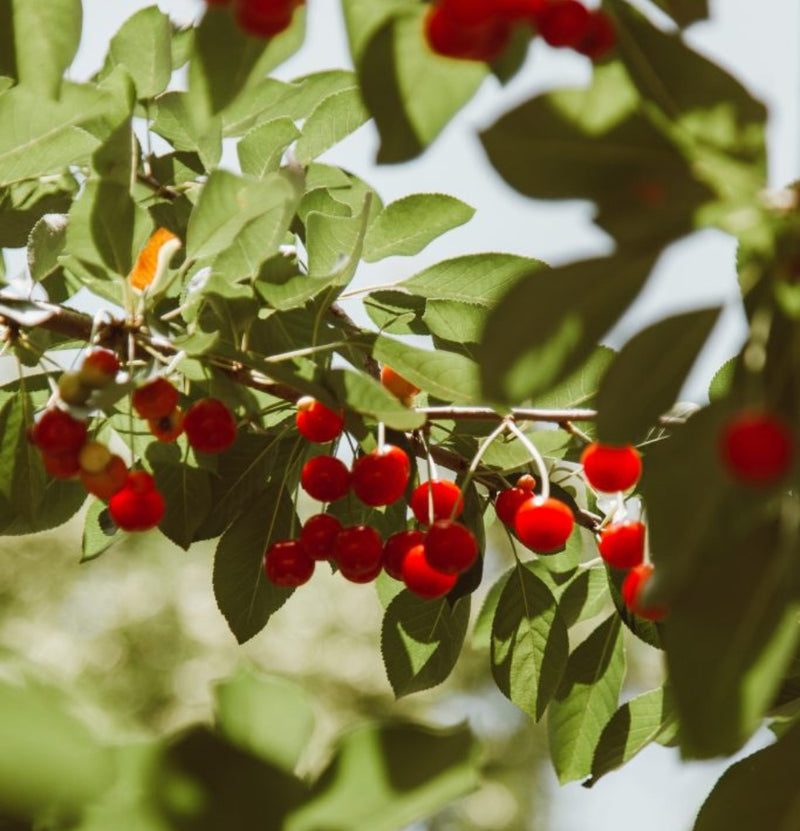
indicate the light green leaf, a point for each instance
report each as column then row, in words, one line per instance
column 364, row 394
column 99, row 531
column 336, row 117
column 142, row 45
column 177, row 122
column 261, row 150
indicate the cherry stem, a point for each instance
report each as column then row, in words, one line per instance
column 381, row 436
column 484, row 446
column 536, row 456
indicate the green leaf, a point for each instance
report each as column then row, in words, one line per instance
column 46, row 34
column 586, row 700
column 334, row 119
column 550, row 322
column 684, row 12
column 723, row 379
column 580, row 388
column 22, row 475
column 584, row 596
column 99, row 531
column 386, row 776
column 421, row 641
column 261, row 150
column 529, row 643
column 45, row 244
column 406, row 226
column 143, row 46
column 758, row 792
column 654, row 364
column 365, row 395
column 177, row 122
column 634, row 726
column 23, row 204
column 446, row 375
column 267, row 716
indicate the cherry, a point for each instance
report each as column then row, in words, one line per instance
column 517, row 10
column 325, row 478
column 316, row 422
column 543, row 525
column 362, row 576
column 71, row 389
column 137, row 505
column 61, row 465
column 397, row 385
column 609, row 468
column 94, row 457
column 265, row 18
column 99, row 369
column 209, row 426
column 108, row 481
column 422, row 578
column 358, row 551
column 156, row 399
column 622, row 544
column 450, row 547
column 510, row 499
column 633, row 591
column 168, row 427
column 563, row 23
column 318, row 536
column 447, row 36
column 287, row 564
column 380, row 477
column 446, row 498
column 599, row 38
column 757, row 447
column 395, row 550
column 57, row 432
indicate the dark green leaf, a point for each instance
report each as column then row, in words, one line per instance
column 684, row 12
column 366, row 395
column 22, row 476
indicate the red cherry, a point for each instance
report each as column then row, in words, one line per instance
column 422, row 578
column 518, row 10
column 447, row 36
column 358, row 552
column 380, row 477
column 622, row 544
column 318, row 535
column 168, row 427
column 543, row 525
column 395, row 550
column 325, row 478
column 610, row 469
column 57, row 432
column 563, row 23
column 287, row 564
column 757, row 447
column 316, row 422
column 600, row 37
column 633, row 589
column 105, row 484
column 264, row 18
column 99, row 369
column 62, row 465
column 137, row 505
column 209, row 426
column 450, row 547
column 446, row 498
column 397, row 385
column 510, row 499
column 156, row 399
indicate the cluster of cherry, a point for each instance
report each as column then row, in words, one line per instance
column 481, row 30
column 261, row 18
column 67, row 452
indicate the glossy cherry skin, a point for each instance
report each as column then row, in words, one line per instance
column 509, row 499
column 155, row 399
column 381, row 477
column 137, row 505
column 450, row 547
column 325, row 478
column 209, row 426
column 265, row 18
column 609, row 469
column 446, row 498
column 99, row 369
column 422, row 578
column 358, row 551
column 543, row 525
column 61, row 466
column 633, row 589
column 757, row 447
column 600, row 36
column 395, row 550
column 622, row 544
column 447, row 35
column 318, row 536
column 563, row 23
column 57, row 432
column 287, row 564
column 107, row 482
column 169, row 427
column 316, row 422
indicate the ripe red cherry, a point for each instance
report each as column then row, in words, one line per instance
column 62, row 465
column 325, row 478
column 137, row 505
column 168, row 427
column 610, row 469
column 447, row 35
column 265, row 18
column 446, row 498
column 287, row 564
column 209, row 426
column 510, row 499
column 316, row 422
column 422, row 578
column 517, row 10
column 57, row 432
column 450, row 547
column 380, row 477
column 600, row 37
column 358, row 552
column 318, row 536
column 543, row 525
column 563, row 23
column 395, row 550
column 633, row 589
column 107, row 482
column 397, row 385
column 156, row 399
column 757, row 447
column 99, row 369
column 622, row 544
